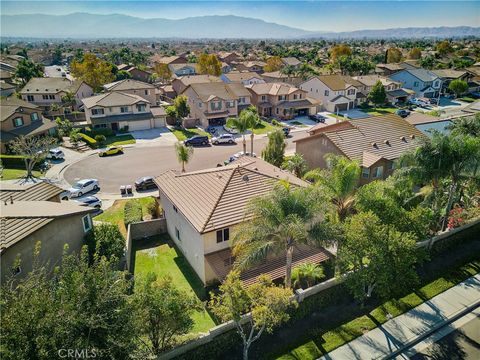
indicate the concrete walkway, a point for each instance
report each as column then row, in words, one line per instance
column 405, row 329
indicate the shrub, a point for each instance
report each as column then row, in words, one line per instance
column 132, row 212
column 275, row 122
column 105, row 240
column 90, row 141
column 92, row 133
column 151, row 209
column 100, row 139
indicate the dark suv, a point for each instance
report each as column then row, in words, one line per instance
column 197, row 140
column 145, row 183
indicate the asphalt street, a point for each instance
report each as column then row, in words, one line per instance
column 136, row 162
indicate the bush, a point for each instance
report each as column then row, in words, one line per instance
column 15, row 162
column 92, row 133
column 275, row 122
column 90, row 141
column 151, row 209
column 100, row 138
column 105, row 240
column 132, row 212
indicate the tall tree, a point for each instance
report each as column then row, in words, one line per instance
column 181, row 106
column 282, row 219
column 253, row 121
column 105, row 240
column 184, row 154
column 267, row 304
column 377, row 95
column 273, row 63
column 444, row 47
column 340, row 50
column 296, row 164
column 93, row 71
column 393, row 55
column 27, row 70
column 415, row 53
column 241, row 124
column 162, row 72
column 209, row 64
column 274, row 152
column 34, row 149
column 458, row 87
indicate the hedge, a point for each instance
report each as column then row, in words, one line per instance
column 93, row 132
column 90, row 141
column 15, row 162
column 132, row 212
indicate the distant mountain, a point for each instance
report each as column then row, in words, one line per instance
column 411, row 32
column 84, row 25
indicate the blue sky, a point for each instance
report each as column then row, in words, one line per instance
column 309, row 15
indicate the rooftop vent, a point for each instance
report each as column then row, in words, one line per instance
column 374, row 144
column 245, row 178
column 403, row 138
column 412, row 136
column 386, row 142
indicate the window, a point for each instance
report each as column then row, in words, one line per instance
column 365, row 173
column 378, row 172
column 327, row 93
column 230, row 104
column 277, row 111
column 241, row 100
column 391, row 165
column 34, row 116
column 100, row 126
column 123, row 109
column 175, row 208
column 199, row 104
column 18, row 122
column 216, row 105
column 351, row 92
column 30, row 98
column 97, row 111
column 282, row 97
column 223, row 235
column 147, row 92
column 177, row 234
column 294, row 96
column 51, row 97
column 415, row 84
column 141, row 107
column 45, row 97
column 264, row 98
column 87, row 225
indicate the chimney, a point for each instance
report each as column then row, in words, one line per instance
column 11, row 199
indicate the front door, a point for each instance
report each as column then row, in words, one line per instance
column 115, row 126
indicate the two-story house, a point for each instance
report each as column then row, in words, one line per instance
column 47, row 91
column 133, row 87
column 213, row 103
column 19, row 117
column 181, row 83
column 291, row 61
column 175, row 59
column 204, row 233
column 375, row 142
column 448, row 75
column 253, row 66
column 182, row 69
column 228, row 57
column 136, row 73
column 243, row 77
column 281, row 100
column 335, row 92
column 118, row 110
column 425, row 83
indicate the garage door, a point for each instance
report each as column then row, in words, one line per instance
column 159, row 122
column 139, row 125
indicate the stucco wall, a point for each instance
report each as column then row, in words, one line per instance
column 314, row 149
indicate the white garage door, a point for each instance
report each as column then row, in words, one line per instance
column 159, row 122
column 139, row 125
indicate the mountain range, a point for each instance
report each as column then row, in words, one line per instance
column 86, row 26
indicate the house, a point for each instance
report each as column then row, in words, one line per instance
column 228, row 57
column 335, row 92
column 212, row 103
column 6, row 89
column 118, row 110
column 368, row 81
column 181, row 83
column 32, row 214
column 291, row 61
column 448, row 75
column 136, row 73
column 401, row 95
column 204, row 208
column 133, row 87
column 182, row 69
column 226, row 67
column 253, row 66
column 6, row 76
column 18, row 118
column 474, row 78
column 278, row 76
column 243, row 77
column 176, row 59
column 375, row 142
column 425, row 83
column 281, row 100
column 47, row 91
column 388, row 69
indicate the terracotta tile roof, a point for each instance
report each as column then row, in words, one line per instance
column 273, row 89
column 127, row 84
column 215, row 198
column 416, row 118
column 291, row 61
column 209, row 91
column 222, row 261
column 10, row 105
column 36, row 192
column 370, row 80
column 113, row 99
column 51, row 85
column 197, row 79
column 241, row 76
column 338, row 82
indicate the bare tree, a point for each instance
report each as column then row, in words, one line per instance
column 34, row 150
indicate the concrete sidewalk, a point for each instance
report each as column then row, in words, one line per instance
column 410, row 326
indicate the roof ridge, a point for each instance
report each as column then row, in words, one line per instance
column 218, row 200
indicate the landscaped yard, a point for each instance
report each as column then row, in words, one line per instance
column 184, row 134
column 158, row 255
column 264, row 127
column 120, row 140
column 12, row 174
column 379, row 110
column 114, row 214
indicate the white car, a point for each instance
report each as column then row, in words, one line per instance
column 83, row 186
column 241, row 153
column 223, row 139
column 55, row 154
column 419, row 102
column 91, row 201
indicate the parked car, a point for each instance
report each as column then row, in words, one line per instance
column 433, row 101
column 90, row 201
column 223, row 139
column 286, row 131
column 402, row 112
column 196, row 140
column 317, row 118
column 82, row 187
column 55, row 154
column 113, row 150
column 418, row 102
column 145, row 183
column 241, row 153
column 230, row 130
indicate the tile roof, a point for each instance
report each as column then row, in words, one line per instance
column 51, row 85
column 197, row 79
column 416, row 118
column 35, row 192
column 449, row 73
column 292, row 61
column 10, row 105
column 35, row 128
column 370, row 80
column 422, row 74
column 237, row 76
column 273, row 89
column 215, row 198
column 113, row 99
column 338, row 82
column 127, row 84
column 165, row 59
column 208, row 91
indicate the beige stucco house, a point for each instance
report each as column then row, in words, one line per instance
column 133, row 87
column 204, row 208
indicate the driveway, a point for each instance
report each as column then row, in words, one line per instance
column 138, row 161
column 154, row 137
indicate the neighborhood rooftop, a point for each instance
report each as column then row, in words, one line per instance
column 51, row 85
column 36, row 192
column 209, row 91
column 128, row 84
column 113, row 99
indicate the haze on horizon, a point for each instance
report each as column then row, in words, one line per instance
column 331, row 16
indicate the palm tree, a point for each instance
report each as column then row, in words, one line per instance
column 184, row 153
column 288, row 70
column 253, row 120
column 285, row 217
column 296, row 164
column 309, row 273
column 340, row 182
column 241, row 124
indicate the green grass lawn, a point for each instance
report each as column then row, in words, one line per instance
column 120, row 140
column 184, row 134
column 158, row 255
column 467, row 99
column 298, row 123
column 379, row 110
column 114, row 214
column 340, row 335
column 264, row 127
column 12, row 174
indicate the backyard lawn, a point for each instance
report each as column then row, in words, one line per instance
column 184, row 134
column 12, row 174
column 158, row 255
column 381, row 110
column 120, row 140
